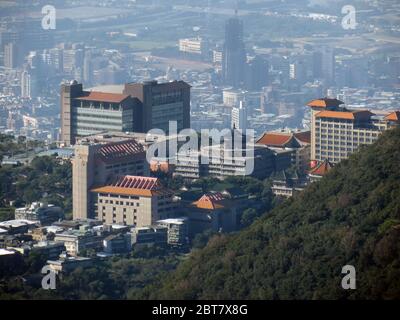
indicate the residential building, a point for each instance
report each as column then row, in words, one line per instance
column 337, row 132
column 134, row 200
column 49, row 249
column 67, row 263
column 150, row 235
column 46, row 214
column 239, row 117
column 285, row 184
column 117, row 243
column 75, row 241
column 194, row 46
column 178, row 230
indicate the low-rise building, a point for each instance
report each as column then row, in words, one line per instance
column 150, row 235
column 38, row 211
column 67, row 263
column 285, row 184
column 117, row 243
column 17, row 226
column 212, row 211
column 178, row 230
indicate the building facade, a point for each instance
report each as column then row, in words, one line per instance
column 337, row 132
column 133, row 200
column 95, row 162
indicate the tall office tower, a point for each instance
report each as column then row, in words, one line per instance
column 87, row 67
column 234, row 53
column 239, row 117
column 89, row 112
column 336, row 132
column 56, row 59
column 257, row 74
column 94, row 163
column 161, row 103
column 328, row 64
column 11, row 55
column 134, row 201
column 25, row 84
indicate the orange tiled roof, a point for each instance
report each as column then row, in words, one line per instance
column 275, row 139
column 349, row 115
column 324, row 102
column 304, row 136
column 393, row 116
column 210, row 201
column 133, row 186
column 103, row 97
column 321, row 169
column 281, row 139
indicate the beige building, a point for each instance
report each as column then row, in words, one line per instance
column 337, row 132
column 96, row 162
column 133, row 200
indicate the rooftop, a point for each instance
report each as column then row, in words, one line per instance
column 210, row 201
column 321, row 169
column 103, row 97
column 133, row 186
column 347, row 115
column 324, row 103
column 121, row 149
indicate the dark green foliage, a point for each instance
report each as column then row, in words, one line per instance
column 45, row 179
column 298, row 249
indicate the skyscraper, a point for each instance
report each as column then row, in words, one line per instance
column 11, row 55
column 239, row 117
column 25, row 84
column 234, row 53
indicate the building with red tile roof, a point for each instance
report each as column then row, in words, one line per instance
column 134, row 200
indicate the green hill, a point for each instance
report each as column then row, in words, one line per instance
column 297, row 251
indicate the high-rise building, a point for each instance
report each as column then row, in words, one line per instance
column 193, row 46
column 11, row 55
column 257, row 74
column 328, row 64
column 139, row 107
column 89, row 112
column 234, row 53
column 336, row 132
column 95, row 162
column 239, row 117
column 25, row 84
column 161, row 103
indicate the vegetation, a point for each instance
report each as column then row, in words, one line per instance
column 44, row 179
column 298, row 249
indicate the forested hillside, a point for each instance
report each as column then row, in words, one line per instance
column 297, row 250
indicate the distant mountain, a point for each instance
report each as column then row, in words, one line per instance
column 297, row 251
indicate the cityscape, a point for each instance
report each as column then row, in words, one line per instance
column 199, row 150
